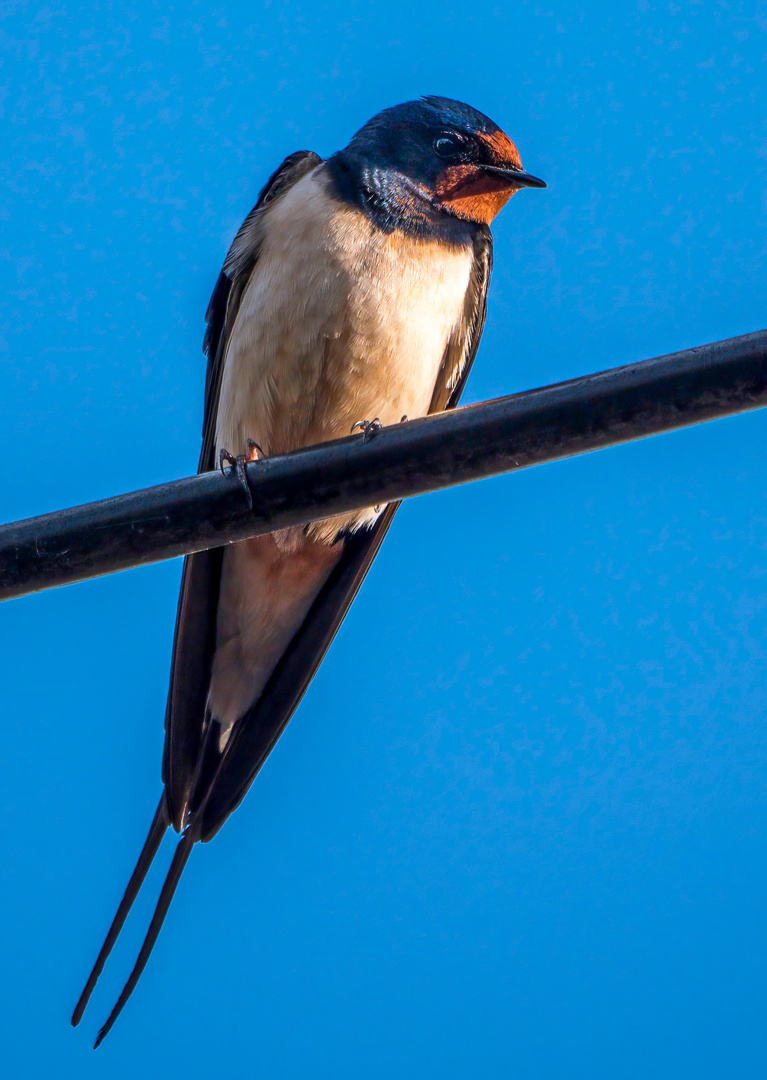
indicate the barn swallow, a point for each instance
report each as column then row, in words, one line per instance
column 354, row 293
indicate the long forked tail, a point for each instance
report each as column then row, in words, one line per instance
column 183, row 850
column 158, row 829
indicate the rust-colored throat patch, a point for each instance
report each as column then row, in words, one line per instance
column 472, row 193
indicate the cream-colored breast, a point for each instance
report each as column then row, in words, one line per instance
column 340, row 322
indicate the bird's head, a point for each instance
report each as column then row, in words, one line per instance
column 451, row 154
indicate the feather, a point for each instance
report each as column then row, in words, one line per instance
column 194, row 639
column 206, row 777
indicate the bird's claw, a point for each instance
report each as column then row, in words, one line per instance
column 225, row 458
column 368, row 427
column 239, row 463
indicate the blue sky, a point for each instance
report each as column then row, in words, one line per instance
column 517, row 827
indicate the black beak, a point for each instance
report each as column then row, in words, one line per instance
column 515, row 176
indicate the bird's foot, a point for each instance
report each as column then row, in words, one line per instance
column 368, row 427
column 254, row 452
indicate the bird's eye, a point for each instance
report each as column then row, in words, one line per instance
column 447, row 145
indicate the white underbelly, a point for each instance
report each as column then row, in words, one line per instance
column 340, row 322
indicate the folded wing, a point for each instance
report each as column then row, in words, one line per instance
column 205, row 778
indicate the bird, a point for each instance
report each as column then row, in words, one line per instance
column 353, row 296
